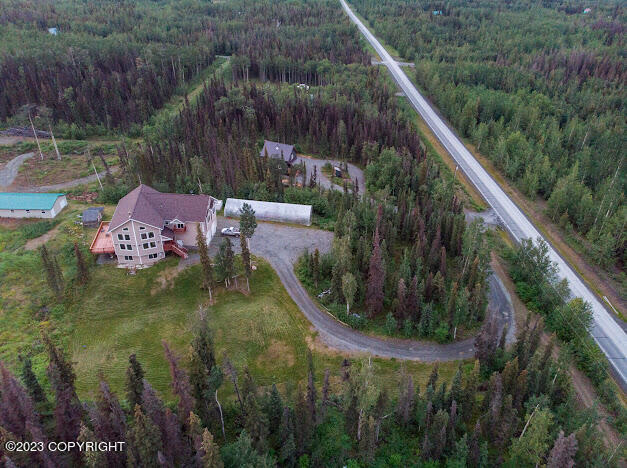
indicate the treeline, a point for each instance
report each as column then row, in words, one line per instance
column 539, row 91
column 512, row 407
column 537, row 285
column 415, row 263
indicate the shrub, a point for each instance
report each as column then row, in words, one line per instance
column 34, row 230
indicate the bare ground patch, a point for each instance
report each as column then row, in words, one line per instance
column 165, row 280
column 32, row 244
column 277, row 351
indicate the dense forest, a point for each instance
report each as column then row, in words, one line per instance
column 538, row 89
column 415, row 265
column 403, row 253
column 512, row 407
column 111, row 64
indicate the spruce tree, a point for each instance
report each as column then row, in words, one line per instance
column 208, row 280
column 245, row 259
column 211, row 452
column 144, row 441
column 180, row 384
column 274, row 410
column 247, row 220
column 49, row 267
column 255, row 423
column 376, row 279
column 31, row 383
column 134, row 381
column 315, row 267
column 563, row 452
column 82, row 270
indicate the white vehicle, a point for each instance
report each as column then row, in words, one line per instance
column 230, row 231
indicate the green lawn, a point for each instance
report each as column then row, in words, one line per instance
column 118, row 314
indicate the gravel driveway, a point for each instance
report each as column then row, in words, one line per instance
column 281, row 245
column 9, row 173
column 353, row 171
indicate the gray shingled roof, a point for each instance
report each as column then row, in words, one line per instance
column 278, row 150
column 91, row 215
column 147, row 205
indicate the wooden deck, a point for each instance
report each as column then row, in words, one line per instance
column 103, row 242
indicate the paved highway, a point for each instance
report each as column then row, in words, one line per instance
column 609, row 335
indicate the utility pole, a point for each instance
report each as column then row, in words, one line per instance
column 41, row 155
column 54, row 142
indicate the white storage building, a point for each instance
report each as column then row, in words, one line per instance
column 271, row 211
column 31, row 205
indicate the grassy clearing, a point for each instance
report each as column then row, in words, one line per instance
column 264, row 330
column 117, row 314
column 192, row 90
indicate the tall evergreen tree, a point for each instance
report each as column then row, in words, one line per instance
column 246, row 259
column 50, row 269
column 208, row 280
column 82, row 270
column 376, row 279
column 144, row 441
column 180, row 384
column 211, row 457
column 30, row 381
column 134, row 381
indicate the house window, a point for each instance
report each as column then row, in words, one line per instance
column 125, row 229
column 129, row 247
column 127, row 237
column 141, row 228
column 166, row 222
column 128, row 257
column 123, row 246
column 151, row 235
column 180, row 225
column 152, row 245
column 120, row 237
column 153, row 255
column 144, row 235
column 43, row 211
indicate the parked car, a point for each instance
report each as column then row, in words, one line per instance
column 230, row 231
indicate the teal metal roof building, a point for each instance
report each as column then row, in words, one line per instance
column 31, row 205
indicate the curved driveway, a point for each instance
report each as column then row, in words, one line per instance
column 281, row 245
column 9, row 172
column 606, row 330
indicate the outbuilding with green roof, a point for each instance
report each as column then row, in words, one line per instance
column 31, row 205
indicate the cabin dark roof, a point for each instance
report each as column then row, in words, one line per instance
column 147, row 205
column 92, row 215
column 278, row 150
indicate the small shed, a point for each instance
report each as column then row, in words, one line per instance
column 271, row 211
column 53, row 31
column 92, row 217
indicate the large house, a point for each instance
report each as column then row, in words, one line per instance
column 276, row 150
column 31, row 205
column 147, row 224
